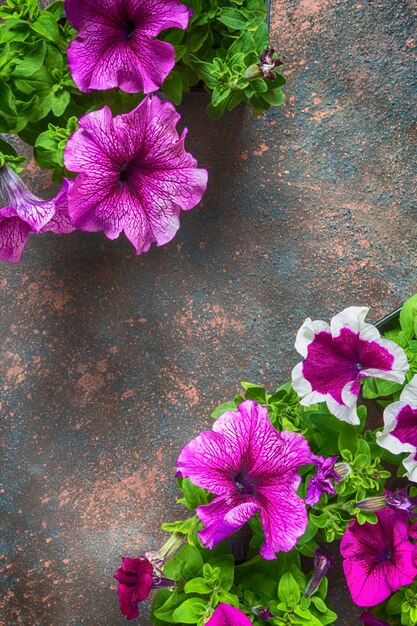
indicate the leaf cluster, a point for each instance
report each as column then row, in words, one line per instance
column 224, row 39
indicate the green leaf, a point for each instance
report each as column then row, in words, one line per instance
column 408, row 317
column 33, row 55
column 193, row 496
column 172, row 87
column 226, row 564
column 185, row 565
column 227, row 406
column 189, row 611
column 348, row 438
column 235, row 19
column 166, row 605
column 60, row 101
column 46, row 26
column 244, row 43
column 274, row 97
column 197, row 585
column 288, row 589
column 56, row 9
column 261, row 38
column 377, row 388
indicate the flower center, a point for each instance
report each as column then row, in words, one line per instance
column 130, row 29
column 245, row 485
column 359, row 366
column 385, row 555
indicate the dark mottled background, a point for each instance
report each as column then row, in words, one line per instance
column 110, row 363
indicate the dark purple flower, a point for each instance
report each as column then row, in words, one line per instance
column 226, row 615
column 370, row 620
column 250, row 467
column 338, row 356
column 135, row 583
column 116, row 45
column 322, row 481
column 268, row 63
column 378, row 558
column 400, row 427
column 322, row 564
column 25, row 213
column 135, row 175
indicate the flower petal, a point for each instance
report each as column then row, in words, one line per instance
column 354, row 318
column 283, row 515
column 222, row 517
column 226, row 615
column 14, row 234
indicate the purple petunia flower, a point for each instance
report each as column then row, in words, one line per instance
column 250, row 467
column 25, row 213
column 226, row 615
column 378, row 558
column 400, row 427
column 370, row 620
column 116, row 45
column 268, row 63
column 322, row 481
column 338, row 356
column 135, row 175
column 135, row 583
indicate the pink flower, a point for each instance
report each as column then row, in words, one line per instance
column 116, row 45
column 400, row 427
column 135, row 175
column 250, row 467
column 378, row 558
column 135, row 584
column 226, row 615
column 338, row 356
column 25, row 213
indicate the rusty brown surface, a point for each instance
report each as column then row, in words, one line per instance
column 110, row 363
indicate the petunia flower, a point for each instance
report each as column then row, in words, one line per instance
column 322, row 564
column 338, row 356
column 137, row 577
column 116, row 45
column 135, row 175
column 135, row 584
column 226, row 615
column 400, row 427
column 25, row 213
column 250, row 467
column 370, row 620
column 378, row 558
column 323, row 480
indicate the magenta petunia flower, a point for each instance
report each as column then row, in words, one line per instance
column 25, row 213
column 135, row 175
column 250, row 467
column 135, row 583
column 116, row 45
column 370, row 620
column 338, row 356
column 226, row 615
column 378, row 558
column 400, row 427
column 323, row 480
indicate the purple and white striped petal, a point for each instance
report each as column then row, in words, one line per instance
column 14, row 233
column 400, row 427
column 338, row 356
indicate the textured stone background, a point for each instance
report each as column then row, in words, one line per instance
column 110, row 363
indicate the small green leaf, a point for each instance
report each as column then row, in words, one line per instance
column 46, row 26
column 408, row 317
column 197, row 585
column 189, row 611
column 348, row 438
column 227, row 406
column 288, row 589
